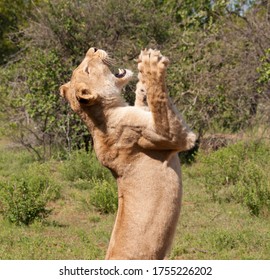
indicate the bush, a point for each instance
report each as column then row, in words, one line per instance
column 85, row 172
column 253, row 188
column 83, row 166
column 24, row 198
column 220, row 170
column 239, row 172
column 104, row 196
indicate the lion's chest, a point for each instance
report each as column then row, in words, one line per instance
column 117, row 147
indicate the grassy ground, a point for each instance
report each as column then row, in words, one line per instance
column 213, row 230
column 208, row 229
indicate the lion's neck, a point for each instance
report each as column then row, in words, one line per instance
column 111, row 101
column 97, row 116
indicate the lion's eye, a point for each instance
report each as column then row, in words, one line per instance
column 95, row 49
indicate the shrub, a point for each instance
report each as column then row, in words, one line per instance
column 85, row 172
column 24, row 198
column 253, row 188
column 83, row 166
column 104, row 196
column 220, row 169
column 239, row 172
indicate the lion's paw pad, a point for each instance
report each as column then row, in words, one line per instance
column 152, row 62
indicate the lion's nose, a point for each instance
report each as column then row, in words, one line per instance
column 91, row 51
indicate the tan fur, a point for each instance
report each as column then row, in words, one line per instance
column 141, row 97
column 139, row 145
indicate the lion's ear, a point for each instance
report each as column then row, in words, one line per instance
column 84, row 95
column 64, row 89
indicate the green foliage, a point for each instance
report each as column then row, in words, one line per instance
column 58, row 35
column 224, row 240
column 12, row 16
column 23, row 198
column 41, row 97
column 253, row 188
column 216, row 71
column 213, row 76
column 264, row 70
column 81, row 167
column 37, row 117
column 16, row 160
column 239, row 172
column 84, row 172
column 104, row 196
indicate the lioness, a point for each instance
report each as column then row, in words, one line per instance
column 139, row 147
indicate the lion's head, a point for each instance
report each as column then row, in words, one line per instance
column 92, row 81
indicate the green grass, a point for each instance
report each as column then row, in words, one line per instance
column 78, row 229
column 73, row 231
column 214, row 230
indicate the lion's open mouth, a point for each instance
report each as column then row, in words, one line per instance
column 121, row 73
column 123, row 76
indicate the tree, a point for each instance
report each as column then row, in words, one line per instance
column 218, row 75
column 13, row 16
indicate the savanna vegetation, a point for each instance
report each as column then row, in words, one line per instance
column 56, row 201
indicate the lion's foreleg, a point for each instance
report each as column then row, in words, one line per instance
column 167, row 121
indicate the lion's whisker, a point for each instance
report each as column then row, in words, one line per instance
column 109, row 61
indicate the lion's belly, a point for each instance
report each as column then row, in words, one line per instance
column 149, row 207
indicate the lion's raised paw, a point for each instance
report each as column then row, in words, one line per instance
column 152, row 64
